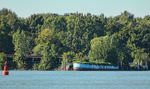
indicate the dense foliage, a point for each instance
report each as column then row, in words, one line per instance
column 2, row 60
column 119, row 39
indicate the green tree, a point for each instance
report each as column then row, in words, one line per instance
column 48, row 45
column 19, row 41
column 49, row 58
column 78, row 57
column 2, row 60
column 140, row 56
column 68, row 57
column 103, row 51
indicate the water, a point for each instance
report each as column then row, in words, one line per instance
column 75, row 80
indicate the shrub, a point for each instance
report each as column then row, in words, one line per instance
column 35, row 66
column 41, row 67
column 2, row 60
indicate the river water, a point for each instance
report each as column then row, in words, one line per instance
column 75, row 80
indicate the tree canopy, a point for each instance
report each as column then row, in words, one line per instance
column 122, row 38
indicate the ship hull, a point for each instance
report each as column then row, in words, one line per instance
column 89, row 67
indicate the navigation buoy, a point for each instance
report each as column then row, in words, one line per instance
column 5, row 72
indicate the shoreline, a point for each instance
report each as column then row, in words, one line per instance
column 77, row 70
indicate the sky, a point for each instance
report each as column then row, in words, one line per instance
column 25, row 8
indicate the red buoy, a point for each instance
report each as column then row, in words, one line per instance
column 5, row 72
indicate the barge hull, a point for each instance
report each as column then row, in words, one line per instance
column 83, row 69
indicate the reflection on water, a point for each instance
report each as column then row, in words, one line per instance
column 76, row 80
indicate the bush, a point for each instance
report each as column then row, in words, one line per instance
column 12, row 64
column 21, row 65
column 41, row 67
column 2, row 60
column 35, row 66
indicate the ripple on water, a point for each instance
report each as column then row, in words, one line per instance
column 75, row 79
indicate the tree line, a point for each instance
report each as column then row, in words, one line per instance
column 120, row 39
